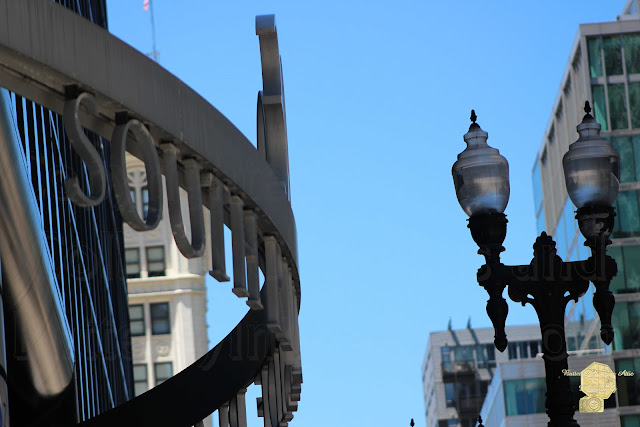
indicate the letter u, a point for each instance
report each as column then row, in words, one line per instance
column 195, row 248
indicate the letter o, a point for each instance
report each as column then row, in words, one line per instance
column 119, row 175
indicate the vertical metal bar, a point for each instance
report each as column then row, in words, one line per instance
column 296, row 370
column 296, row 330
column 271, row 276
column 264, row 382
column 237, row 241
column 289, row 356
column 284, row 336
column 273, row 394
column 241, row 407
column 278, row 383
column 216, row 218
column 233, row 412
column 223, row 415
column 292, row 312
column 251, row 251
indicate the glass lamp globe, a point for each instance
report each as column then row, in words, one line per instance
column 481, row 174
column 591, row 166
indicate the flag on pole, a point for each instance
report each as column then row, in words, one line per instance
column 146, row 5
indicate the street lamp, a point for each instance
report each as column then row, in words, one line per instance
column 591, row 168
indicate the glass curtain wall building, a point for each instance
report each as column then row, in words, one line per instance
column 86, row 249
column 604, row 68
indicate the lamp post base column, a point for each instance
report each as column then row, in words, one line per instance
column 559, row 402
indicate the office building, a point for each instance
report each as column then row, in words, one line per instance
column 604, row 68
column 167, row 295
column 459, row 365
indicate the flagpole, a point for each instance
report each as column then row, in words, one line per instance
column 154, row 52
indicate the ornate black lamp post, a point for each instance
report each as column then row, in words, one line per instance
column 591, row 168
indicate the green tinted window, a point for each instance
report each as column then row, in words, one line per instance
column 628, row 278
column 632, row 52
column 620, row 323
column 625, row 148
column 524, row 396
column 626, row 325
column 599, row 105
column 627, row 224
column 612, row 55
column 634, row 104
column 628, row 391
column 617, row 284
column 618, row 107
column 595, row 60
column 631, row 257
column 630, row 420
column 636, row 154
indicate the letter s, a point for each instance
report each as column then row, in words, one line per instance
column 87, row 152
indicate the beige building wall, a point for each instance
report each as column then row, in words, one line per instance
column 159, row 347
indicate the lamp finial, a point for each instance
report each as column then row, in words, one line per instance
column 587, row 107
column 473, row 116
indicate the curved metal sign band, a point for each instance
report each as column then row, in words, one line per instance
column 195, row 248
column 38, row 61
column 123, row 79
column 204, row 386
column 121, row 183
column 86, row 151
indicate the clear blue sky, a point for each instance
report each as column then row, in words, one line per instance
column 378, row 96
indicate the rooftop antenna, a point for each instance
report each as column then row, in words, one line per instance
column 148, row 6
